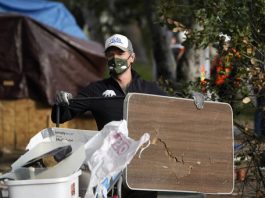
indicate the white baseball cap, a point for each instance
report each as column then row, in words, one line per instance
column 119, row 41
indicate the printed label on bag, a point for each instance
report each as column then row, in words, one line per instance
column 73, row 189
column 121, row 144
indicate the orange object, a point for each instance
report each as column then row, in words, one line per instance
column 224, row 66
column 241, row 174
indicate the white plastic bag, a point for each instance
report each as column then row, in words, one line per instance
column 108, row 153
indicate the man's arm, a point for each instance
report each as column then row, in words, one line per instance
column 156, row 89
column 69, row 108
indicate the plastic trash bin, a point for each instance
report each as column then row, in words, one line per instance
column 64, row 187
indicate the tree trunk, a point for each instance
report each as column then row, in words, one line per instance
column 134, row 33
column 164, row 61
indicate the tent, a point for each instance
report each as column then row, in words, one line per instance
column 50, row 13
column 37, row 60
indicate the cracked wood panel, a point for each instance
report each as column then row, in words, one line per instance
column 191, row 150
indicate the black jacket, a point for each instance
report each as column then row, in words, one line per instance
column 104, row 109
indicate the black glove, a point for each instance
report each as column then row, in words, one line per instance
column 63, row 98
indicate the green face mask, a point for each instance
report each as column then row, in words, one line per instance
column 117, row 66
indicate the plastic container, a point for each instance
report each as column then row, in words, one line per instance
column 64, row 187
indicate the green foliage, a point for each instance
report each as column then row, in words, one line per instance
column 111, row 14
column 233, row 17
column 242, row 20
column 145, row 71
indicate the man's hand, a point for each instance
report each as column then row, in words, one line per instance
column 63, row 98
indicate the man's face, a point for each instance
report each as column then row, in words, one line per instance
column 118, row 60
column 116, row 53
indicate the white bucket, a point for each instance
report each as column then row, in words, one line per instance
column 64, row 187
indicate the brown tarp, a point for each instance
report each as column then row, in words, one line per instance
column 36, row 61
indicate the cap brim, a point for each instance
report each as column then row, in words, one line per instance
column 117, row 46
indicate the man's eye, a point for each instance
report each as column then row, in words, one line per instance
column 108, row 56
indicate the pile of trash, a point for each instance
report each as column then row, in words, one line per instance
column 72, row 163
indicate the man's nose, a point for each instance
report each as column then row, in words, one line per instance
column 116, row 55
column 112, row 56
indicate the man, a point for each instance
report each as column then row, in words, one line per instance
column 123, row 79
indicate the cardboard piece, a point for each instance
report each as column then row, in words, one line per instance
column 191, row 150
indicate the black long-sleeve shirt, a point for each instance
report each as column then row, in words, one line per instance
column 109, row 108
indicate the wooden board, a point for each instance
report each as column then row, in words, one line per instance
column 191, row 150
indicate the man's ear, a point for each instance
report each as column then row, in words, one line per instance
column 132, row 58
